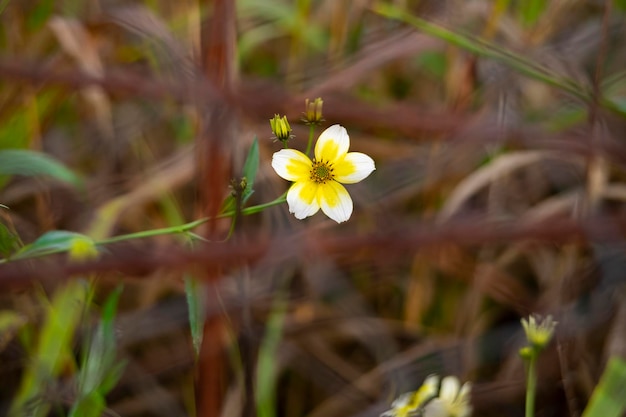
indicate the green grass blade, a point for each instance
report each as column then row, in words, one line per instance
column 193, row 292
column 53, row 349
column 530, row 11
column 9, row 242
column 489, row 50
column 99, row 371
column 54, row 241
column 250, row 168
column 31, row 163
column 267, row 366
column 609, row 396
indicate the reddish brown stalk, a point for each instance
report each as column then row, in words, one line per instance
column 214, row 148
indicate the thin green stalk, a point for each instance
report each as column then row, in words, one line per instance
column 184, row 228
column 484, row 48
column 267, row 363
column 155, row 232
column 531, row 386
column 192, row 225
column 257, row 208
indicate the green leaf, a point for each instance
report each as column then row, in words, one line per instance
column 433, row 62
column 40, row 14
column 619, row 105
column 193, row 292
column 53, row 349
column 250, row 168
column 99, row 370
column 530, row 11
column 268, row 353
column 609, row 396
column 54, row 241
column 91, row 405
column 9, row 242
column 31, row 163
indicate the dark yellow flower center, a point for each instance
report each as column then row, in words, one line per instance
column 321, row 172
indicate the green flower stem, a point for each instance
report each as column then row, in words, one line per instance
column 155, row 232
column 255, row 209
column 192, row 225
column 531, row 386
column 308, row 146
column 184, row 228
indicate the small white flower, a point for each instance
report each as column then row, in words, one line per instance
column 411, row 403
column 453, row 400
column 539, row 331
column 317, row 183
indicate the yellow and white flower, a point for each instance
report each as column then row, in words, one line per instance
column 317, row 183
column 453, row 400
column 411, row 403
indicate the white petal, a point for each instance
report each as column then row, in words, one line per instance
column 335, row 201
column 435, row 408
column 302, row 199
column 291, row 165
column 355, row 167
column 465, row 391
column 449, row 389
column 332, row 144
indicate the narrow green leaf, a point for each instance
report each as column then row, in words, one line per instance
column 9, row 242
column 268, row 352
column 530, row 11
column 53, row 348
column 250, row 168
column 91, row 405
column 99, row 370
column 31, row 163
column 40, row 14
column 487, row 49
column 619, row 104
column 51, row 242
column 193, row 292
column 609, row 396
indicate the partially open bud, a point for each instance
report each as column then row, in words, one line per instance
column 313, row 111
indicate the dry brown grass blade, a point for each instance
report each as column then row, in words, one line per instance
column 501, row 166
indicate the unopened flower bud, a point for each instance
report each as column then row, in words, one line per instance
column 280, row 128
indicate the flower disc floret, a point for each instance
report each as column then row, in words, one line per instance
column 318, row 183
column 322, row 172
